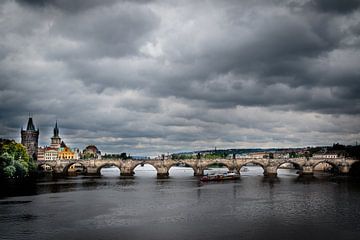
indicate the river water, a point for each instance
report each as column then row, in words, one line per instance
column 182, row 207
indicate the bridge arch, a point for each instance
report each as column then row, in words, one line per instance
column 295, row 164
column 142, row 164
column 183, row 164
column 98, row 170
column 215, row 167
column 242, row 168
column 252, row 162
column 221, row 164
column 334, row 166
column 67, row 167
column 45, row 167
column 286, row 171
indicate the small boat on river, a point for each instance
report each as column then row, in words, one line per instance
column 220, row 177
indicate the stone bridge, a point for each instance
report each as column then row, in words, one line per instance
column 93, row 166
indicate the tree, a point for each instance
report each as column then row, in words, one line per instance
column 88, row 155
column 14, row 161
column 123, row 155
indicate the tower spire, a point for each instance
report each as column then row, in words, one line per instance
column 56, row 140
column 56, row 130
column 30, row 125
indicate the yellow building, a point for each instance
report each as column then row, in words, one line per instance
column 65, row 152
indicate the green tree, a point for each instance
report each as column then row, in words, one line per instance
column 88, row 156
column 14, row 161
column 123, row 155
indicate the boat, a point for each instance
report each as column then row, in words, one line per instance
column 220, row 177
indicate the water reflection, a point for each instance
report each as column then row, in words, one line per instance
column 287, row 173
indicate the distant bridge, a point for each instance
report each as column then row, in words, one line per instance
column 93, row 166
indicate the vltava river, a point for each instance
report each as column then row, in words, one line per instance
column 182, row 207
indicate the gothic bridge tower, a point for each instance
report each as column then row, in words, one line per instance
column 29, row 138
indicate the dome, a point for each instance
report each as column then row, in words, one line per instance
column 92, row 149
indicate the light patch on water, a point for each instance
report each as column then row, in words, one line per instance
column 110, row 172
column 251, row 171
column 145, row 171
column 181, row 172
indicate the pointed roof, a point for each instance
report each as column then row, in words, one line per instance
column 56, row 130
column 63, row 145
column 30, row 125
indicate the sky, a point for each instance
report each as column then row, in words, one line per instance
column 152, row 77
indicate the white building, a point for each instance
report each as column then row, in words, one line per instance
column 281, row 155
column 76, row 153
column 51, row 154
column 325, row 155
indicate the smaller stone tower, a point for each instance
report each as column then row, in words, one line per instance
column 29, row 138
column 56, row 140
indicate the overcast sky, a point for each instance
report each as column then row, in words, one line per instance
column 150, row 77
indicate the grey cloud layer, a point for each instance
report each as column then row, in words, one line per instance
column 157, row 76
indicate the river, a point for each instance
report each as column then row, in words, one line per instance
column 182, row 207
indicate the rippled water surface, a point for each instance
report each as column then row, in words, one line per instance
column 181, row 207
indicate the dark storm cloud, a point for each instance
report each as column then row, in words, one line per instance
column 106, row 32
column 291, row 49
column 159, row 76
column 336, row 6
column 70, row 6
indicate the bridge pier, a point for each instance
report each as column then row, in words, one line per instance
column 307, row 171
column 162, row 172
column 126, row 175
column 344, row 168
column 270, row 171
column 127, row 169
column 92, row 171
column 126, row 172
column 162, row 175
column 199, row 172
column 234, row 170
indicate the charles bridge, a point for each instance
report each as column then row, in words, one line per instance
column 93, row 166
